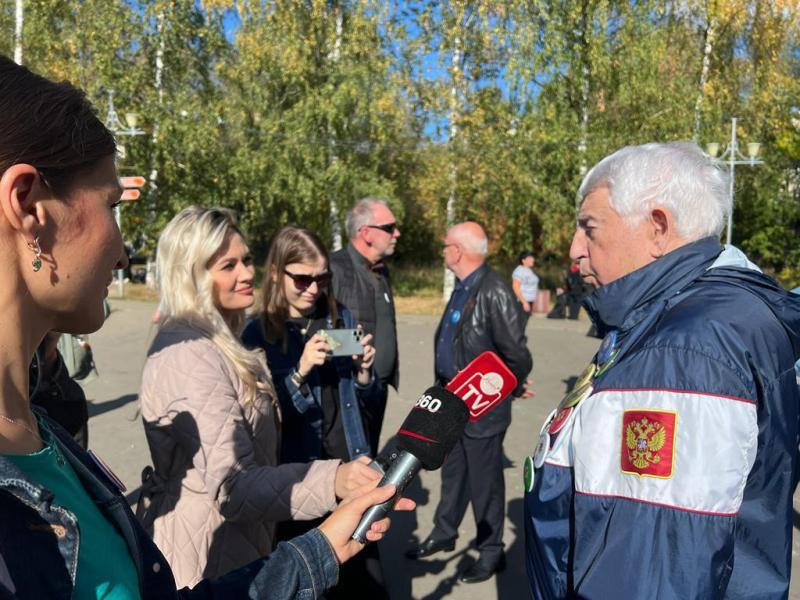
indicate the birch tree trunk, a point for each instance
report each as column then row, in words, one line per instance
column 583, row 139
column 708, row 47
column 333, row 204
column 449, row 278
column 20, row 15
column 152, row 180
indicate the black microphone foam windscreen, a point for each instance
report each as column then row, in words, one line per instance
column 433, row 426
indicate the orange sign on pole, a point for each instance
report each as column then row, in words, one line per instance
column 132, row 182
column 130, row 195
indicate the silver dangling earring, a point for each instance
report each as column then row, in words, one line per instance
column 36, row 263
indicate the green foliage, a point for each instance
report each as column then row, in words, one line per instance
column 417, row 280
column 495, row 108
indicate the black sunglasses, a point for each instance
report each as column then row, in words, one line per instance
column 303, row 282
column 387, row 227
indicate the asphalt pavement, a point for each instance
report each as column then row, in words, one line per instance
column 560, row 350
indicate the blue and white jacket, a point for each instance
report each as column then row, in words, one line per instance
column 673, row 475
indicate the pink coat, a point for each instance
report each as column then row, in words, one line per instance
column 216, row 492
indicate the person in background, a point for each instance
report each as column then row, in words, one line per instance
column 525, row 283
column 575, row 291
column 482, row 314
column 361, row 282
column 65, row 528
column 568, row 299
column 211, row 415
column 54, row 390
column 321, row 397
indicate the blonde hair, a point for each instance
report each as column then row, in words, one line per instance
column 188, row 244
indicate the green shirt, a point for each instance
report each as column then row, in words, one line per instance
column 105, row 566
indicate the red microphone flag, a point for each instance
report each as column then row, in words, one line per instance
column 483, row 383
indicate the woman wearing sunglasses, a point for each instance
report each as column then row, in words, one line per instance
column 320, row 395
column 211, row 417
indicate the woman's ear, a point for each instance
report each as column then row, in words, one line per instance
column 20, row 200
column 273, row 273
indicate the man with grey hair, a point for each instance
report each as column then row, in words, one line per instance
column 361, row 282
column 669, row 469
column 482, row 314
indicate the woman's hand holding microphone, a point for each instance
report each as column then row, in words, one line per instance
column 355, row 482
column 340, row 525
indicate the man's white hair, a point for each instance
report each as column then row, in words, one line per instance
column 361, row 215
column 476, row 244
column 677, row 175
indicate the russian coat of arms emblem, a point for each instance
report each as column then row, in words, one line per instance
column 648, row 442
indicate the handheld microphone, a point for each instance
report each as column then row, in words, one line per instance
column 424, row 440
column 435, row 424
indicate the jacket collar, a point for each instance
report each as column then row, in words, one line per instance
column 471, row 284
column 623, row 303
column 355, row 255
column 470, row 280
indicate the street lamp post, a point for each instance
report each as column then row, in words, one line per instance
column 732, row 157
column 118, row 128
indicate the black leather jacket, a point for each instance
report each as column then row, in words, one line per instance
column 353, row 288
column 492, row 320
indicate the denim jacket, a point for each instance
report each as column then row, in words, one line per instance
column 39, row 544
column 302, row 407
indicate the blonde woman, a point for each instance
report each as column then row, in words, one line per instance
column 211, row 415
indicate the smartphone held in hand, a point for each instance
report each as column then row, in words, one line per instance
column 344, row 342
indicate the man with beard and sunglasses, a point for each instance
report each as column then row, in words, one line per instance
column 361, row 282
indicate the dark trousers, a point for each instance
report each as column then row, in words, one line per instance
column 372, row 418
column 564, row 302
column 473, row 472
column 526, row 316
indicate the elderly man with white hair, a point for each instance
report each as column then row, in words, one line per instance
column 482, row 314
column 668, row 471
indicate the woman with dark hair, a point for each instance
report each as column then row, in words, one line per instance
column 320, row 395
column 66, row 531
column 525, row 283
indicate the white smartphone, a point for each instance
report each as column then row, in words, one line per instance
column 344, row 342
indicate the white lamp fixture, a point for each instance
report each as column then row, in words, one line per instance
column 732, row 157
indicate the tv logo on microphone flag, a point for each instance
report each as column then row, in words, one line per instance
column 483, row 383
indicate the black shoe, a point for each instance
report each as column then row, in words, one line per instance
column 430, row 546
column 482, row 570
